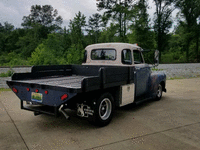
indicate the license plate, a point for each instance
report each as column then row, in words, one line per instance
column 36, row 97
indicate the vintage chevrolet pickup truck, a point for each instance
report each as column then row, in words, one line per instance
column 112, row 75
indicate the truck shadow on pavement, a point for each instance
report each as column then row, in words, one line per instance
column 76, row 122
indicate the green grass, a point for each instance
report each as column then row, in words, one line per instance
column 177, row 78
column 3, row 89
column 9, row 73
column 155, row 69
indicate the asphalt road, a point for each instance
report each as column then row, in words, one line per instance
column 169, row 124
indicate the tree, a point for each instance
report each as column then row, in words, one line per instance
column 108, row 34
column 5, row 31
column 1, row 27
column 76, row 28
column 141, row 33
column 29, row 42
column 12, row 39
column 42, row 21
column 190, row 11
column 119, row 11
column 75, row 54
column 43, row 15
column 66, row 38
column 94, row 24
column 162, row 22
column 49, row 52
column 76, row 49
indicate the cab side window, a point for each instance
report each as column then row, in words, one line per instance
column 137, row 57
column 126, row 56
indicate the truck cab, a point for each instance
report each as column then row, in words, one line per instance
column 127, row 55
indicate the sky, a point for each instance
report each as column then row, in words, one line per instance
column 13, row 11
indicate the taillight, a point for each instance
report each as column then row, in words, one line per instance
column 64, row 97
column 15, row 90
column 46, row 92
column 36, row 90
column 28, row 89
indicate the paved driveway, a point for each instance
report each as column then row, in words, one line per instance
column 169, row 124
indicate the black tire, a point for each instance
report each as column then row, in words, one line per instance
column 159, row 92
column 103, row 110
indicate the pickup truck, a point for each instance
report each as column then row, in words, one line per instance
column 112, row 75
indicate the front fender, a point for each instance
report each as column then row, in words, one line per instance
column 155, row 79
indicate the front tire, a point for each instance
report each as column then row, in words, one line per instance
column 103, row 110
column 159, row 92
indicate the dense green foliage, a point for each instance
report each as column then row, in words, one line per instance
column 42, row 40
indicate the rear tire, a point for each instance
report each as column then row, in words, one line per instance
column 103, row 110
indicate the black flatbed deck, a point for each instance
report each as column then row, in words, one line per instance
column 73, row 78
column 73, row 81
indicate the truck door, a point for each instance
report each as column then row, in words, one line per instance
column 142, row 75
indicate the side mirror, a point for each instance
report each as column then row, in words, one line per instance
column 156, row 57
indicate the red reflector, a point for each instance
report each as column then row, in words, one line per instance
column 14, row 90
column 36, row 90
column 28, row 89
column 46, row 92
column 64, row 97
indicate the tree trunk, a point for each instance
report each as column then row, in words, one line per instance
column 120, row 26
column 187, row 50
column 197, row 47
column 159, row 46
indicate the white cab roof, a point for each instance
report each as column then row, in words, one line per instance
column 117, row 46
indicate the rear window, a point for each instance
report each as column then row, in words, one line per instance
column 103, row 54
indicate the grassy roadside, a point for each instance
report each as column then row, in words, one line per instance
column 177, row 78
column 4, row 90
column 9, row 73
column 155, row 69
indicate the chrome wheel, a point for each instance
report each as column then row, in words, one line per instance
column 159, row 92
column 105, row 109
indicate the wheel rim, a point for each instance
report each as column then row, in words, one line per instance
column 105, row 109
column 159, row 92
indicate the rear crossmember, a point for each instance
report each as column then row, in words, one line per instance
column 49, row 110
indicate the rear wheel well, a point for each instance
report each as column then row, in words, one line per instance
column 114, row 91
column 89, row 97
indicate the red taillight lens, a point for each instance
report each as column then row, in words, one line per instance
column 28, row 89
column 36, row 90
column 46, row 92
column 15, row 90
column 64, row 97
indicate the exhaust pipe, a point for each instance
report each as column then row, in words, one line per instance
column 61, row 109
